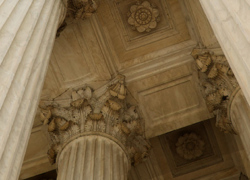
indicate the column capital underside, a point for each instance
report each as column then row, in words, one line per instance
column 78, row 9
column 75, row 10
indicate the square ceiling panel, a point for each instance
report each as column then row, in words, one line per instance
column 130, row 46
column 191, row 148
column 124, row 10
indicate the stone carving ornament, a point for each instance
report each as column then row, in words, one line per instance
column 89, row 113
column 81, row 9
column 190, row 146
column 143, row 16
column 77, row 9
column 219, row 85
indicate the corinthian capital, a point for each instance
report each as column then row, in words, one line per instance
column 219, row 86
column 104, row 113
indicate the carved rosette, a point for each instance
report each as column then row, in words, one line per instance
column 190, row 146
column 219, row 85
column 143, row 16
column 89, row 113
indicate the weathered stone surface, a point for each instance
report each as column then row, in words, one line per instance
column 27, row 34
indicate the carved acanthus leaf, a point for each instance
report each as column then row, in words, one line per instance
column 108, row 113
column 219, row 83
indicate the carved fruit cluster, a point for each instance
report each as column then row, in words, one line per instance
column 190, row 146
column 143, row 16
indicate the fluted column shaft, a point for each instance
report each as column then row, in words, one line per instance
column 92, row 158
column 27, row 34
column 230, row 22
column 240, row 115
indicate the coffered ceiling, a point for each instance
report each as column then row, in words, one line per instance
column 159, row 70
column 161, row 76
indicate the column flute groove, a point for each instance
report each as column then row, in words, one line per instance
column 90, row 170
column 10, row 27
column 5, row 10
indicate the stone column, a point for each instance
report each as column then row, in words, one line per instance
column 240, row 115
column 230, row 22
column 95, row 134
column 93, row 157
column 27, row 34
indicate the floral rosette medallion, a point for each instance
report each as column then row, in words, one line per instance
column 143, row 16
column 190, row 146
